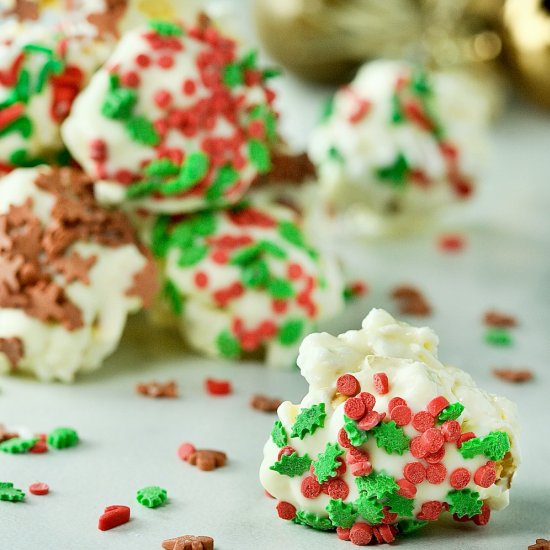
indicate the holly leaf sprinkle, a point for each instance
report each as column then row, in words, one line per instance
column 228, row 346
column 309, row 420
column 494, row 446
column 292, row 465
column 407, row 526
column 278, row 434
column 17, row 445
column 326, row 464
column 370, row 509
column 341, row 514
column 376, row 485
column 400, row 505
column 451, row 412
column 10, row 493
column 152, row 497
column 63, row 438
column 290, row 331
column 119, row 103
column 313, row 520
column 498, row 337
column 356, row 436
column 391, row 437
column 464, row 502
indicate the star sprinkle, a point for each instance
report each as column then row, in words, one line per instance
column 464, row 502
column 326, row 464
column 308, row 421
column 292, row 465
column 10, row 493
column 391, row 437
column 341, row 514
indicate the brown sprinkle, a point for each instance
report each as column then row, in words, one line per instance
column 12, row 348
column 189, row 542
column 515, row 376
column 264, row 403
column 411, row 301
column 206, row 459
column 540, row 544
column 158, row 389
column 5, row 435
column 25, row 10
column 286, row 168
column 106, row 22
column 494, row 318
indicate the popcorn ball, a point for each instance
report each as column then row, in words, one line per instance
column 177, row 120
column 244, row 281
column 61, row 309
column 388, row 438
column 398, row 143
column 42, row 70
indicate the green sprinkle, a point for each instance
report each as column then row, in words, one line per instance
column 194, row 169
column 464, row 502
column 328, row 109
column 278, row 434
column 494, row 446
column 37, row 48
column 326, row 464
column 397, row 115
column 272, row 248
column 270, row 122
column 334, row 154
column 142, row 189
column 192, row 255
column 119, row 103
column 356, row 436
column 259, row 155
column 370, row 509
column 52, row 66
column 250, row 59
column 290, row 331
column 228, row 346
column 182, row 236
column 20, row 157
column 225, row 178
column 498, row 337
column 204, row 224
column 391, row 437
column 420, row 82
column 292, row 465
column 400, row 505
column 114, row 81
column 270, row 72
column 233, row 75
column 451, row 412
column 309, row 420
column 22, row 86
column 395, row 174
column 280, row 289
column 173, row 296
column 376, row 485
column 159, row 237
column 63, row 438
column 291, row 233
column 245, row 255
column 341, row 514
column 255, row 274
column 408, row 526
column 313, row 520
column 162, row 168
column 17, row 445
column 165, row 28
column 10, row 493
column 152, row 497
column 142, row 131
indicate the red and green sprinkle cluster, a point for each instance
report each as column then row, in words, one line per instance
column 386, row 506
column 190, row 155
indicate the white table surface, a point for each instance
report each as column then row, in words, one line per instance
column 129, row 441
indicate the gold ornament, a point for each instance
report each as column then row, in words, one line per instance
column 326, row 40
column 527, row 41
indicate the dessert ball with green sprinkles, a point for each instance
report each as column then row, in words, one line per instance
column 61, row 309
column 177, row 120
column 42, row 70
column 398, row 143
column 244, row 281
column 388, row 438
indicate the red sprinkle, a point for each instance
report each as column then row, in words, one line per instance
column 430, row 510
column 39, row 489
column 285, row 510
column 434, row 458
column 381, row 384
column 407, row 489
column 369, row 399
column 387, row 532
column 401, row 415
column 343, row 439
column 143, row 60
column 486, row 475
column 450, row 430
column 342, row 534
column 414, row 472
column 361, row 468
column 483, row 517
column 218, row 387
column 464, row 437
column 337, row 488
column 451, row 242
column 354, row 408
column 459, row 478
column 422, row 421
column 310, row 487
column 341, row 470
column 113, row 516
column 436, row 473
column 437, row 404
column 163, row 98
column 185, row 450
column 417, row 448
column 201, row 279
column 348, row 385
column 286, row 450
column 360, row 534
column 389, row 517
column 39, row 447
column 370, row 420
column 432, row 440
column 165, row 61
column 394, row 402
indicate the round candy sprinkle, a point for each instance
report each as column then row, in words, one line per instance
column 369, row 399
column 401, row 415
column 485, row 476
column 434, row 458
column 185, row 450
column 436, row 473
column 348, row 385
column 285, row 510
column 483, row 517
column 337, row 488
column 437, row 404
column 380, row 381
column 152, row 497
column 432, row 440
column 459, row 478
column 394, row 402
column 422, row 421
column 342, row 533
column 310, row 487
column 354, row 408
column 406, row 488
column 417, row 448
column 360, row 534
column 430, row 510
column 414, row 472
column 218, row 387
column 39, row 489
column 63, row 438
column 450, row 430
